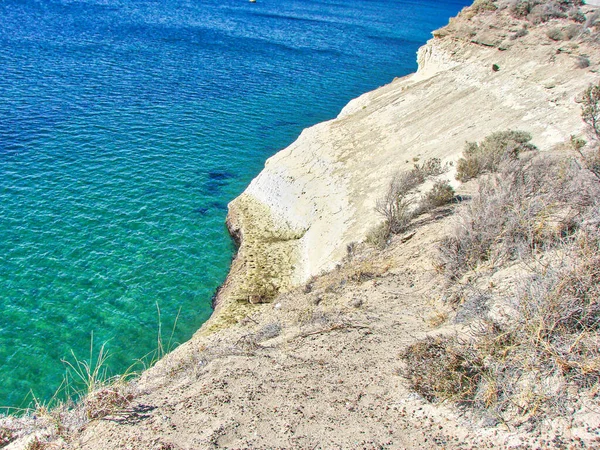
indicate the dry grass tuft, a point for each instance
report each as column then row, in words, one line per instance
column 106, row 402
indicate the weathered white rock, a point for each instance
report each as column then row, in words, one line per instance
column 318, row 195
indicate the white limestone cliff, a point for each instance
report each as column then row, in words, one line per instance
column 313, row 198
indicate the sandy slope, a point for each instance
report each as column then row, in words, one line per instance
column 330, row 379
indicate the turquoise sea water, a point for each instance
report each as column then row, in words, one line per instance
column 126, row 126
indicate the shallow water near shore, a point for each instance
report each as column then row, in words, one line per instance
column 125, row 129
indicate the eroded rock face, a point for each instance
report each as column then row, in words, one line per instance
column 312, row 199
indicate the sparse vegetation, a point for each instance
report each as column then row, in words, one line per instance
column 540, row 350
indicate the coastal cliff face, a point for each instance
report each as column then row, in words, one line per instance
column 476, row 76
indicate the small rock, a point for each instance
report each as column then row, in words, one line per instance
column 356, row 302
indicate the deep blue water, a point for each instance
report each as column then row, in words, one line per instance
column 127, row 126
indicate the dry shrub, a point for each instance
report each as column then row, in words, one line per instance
column 538, row 11
column 6, row 436
column 576, row 15
column 592, row 20
column 438, row 368
column 545, row 12
column 535, row 361
column 252, row 341
column 398, row 205
column 583, row 62
column 36, row 444
column 106, row 401
column 378, row 236
column 590, row 109
column 555, row 34
column 481, row 6
column 519, row 33
column 526, row 208
column 572, row 31
column 488, row 155
column 539, row 352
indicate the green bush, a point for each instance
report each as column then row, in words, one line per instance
column 488, row 155
column 440, row 194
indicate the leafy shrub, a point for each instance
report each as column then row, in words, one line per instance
column 488, row 155
column 440, row 194
column 583, row 62
column 555, row 34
